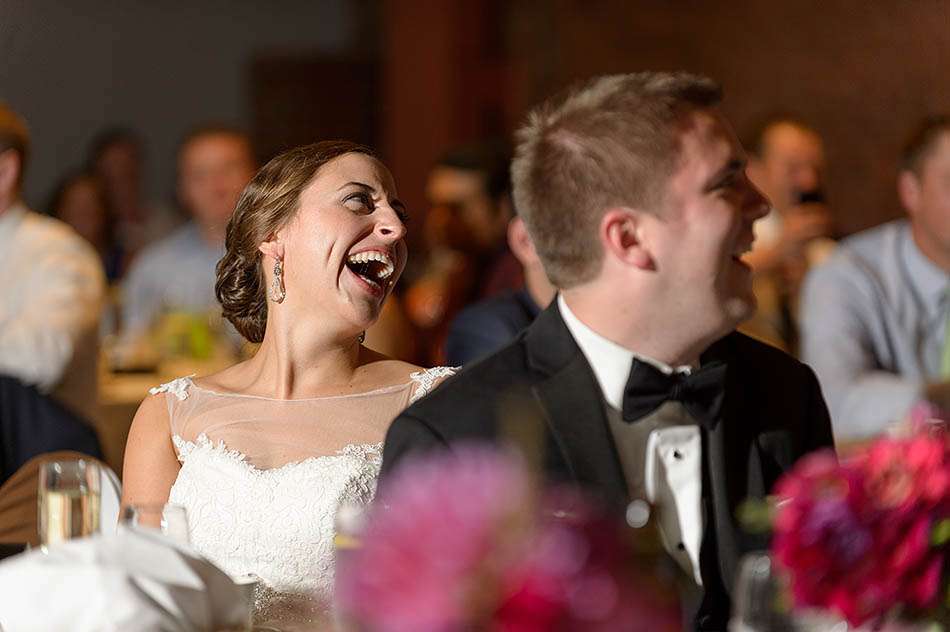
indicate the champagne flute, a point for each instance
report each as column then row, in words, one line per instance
column 170, row 519
column 68, row 500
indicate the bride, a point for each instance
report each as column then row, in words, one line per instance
column 263, row 453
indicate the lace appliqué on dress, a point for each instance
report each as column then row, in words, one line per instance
column 185, row 448
column 428, row 379
column 277, row 523
column 178, row 388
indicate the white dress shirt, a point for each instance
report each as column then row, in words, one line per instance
column 52, row 286
column 672, row 469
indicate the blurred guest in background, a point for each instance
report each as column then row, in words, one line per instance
column 488, row 325
column 787, row 163
column 116, row 158
column 80, row 200
column 176, row 274
column 465, row 235
column 52, row 286
column 875, row 315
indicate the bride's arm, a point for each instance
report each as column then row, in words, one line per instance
column 151, row 465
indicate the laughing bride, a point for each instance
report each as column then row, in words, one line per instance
column 263, row 453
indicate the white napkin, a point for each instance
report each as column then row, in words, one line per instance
column 136, row 580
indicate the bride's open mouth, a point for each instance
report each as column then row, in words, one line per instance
column 373, row 268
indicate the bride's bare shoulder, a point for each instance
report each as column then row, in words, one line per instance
column 385, row 370
column 423, row 380
column 232, row 379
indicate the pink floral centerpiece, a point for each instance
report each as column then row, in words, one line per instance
column 868, row 538
column 465, row 540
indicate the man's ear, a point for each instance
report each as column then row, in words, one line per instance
column 908, row 190
column 10, row 167
column 520, row 243
column 621, row 233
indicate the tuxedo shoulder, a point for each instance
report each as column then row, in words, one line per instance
column 748, row 352
column 476, row 388
column 779, row 397
column 763, row 366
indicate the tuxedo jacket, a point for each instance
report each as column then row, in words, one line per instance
column 540, row 391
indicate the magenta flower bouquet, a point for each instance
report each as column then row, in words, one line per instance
column 868, row 538
column 467, row 541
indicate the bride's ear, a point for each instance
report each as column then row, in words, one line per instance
column 272, row 248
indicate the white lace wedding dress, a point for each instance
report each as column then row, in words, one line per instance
column 262, row 479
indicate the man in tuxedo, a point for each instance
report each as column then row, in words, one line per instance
column 634, row 382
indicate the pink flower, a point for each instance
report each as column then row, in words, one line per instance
column 902, row 473
column 464, row 540
column 925, row 414
column 922, row 592
column 856, row 537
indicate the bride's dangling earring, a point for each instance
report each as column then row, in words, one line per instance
column 362, row 337
column 278, row 293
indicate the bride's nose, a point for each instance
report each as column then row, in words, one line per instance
column 389, row 226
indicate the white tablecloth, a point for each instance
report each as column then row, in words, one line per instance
column 135, row 580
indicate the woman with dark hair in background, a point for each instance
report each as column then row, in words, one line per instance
column 264, row 453
column 117, row 156
column 80, row 200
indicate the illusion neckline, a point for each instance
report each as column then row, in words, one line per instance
column 377, row 391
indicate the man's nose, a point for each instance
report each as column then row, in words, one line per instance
column 808, row 179
column 757, row 205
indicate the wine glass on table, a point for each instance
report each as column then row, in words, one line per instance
column 69, row 496
column 169, row 519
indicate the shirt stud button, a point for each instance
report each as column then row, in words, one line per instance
column 681, row 546
column 677, row 454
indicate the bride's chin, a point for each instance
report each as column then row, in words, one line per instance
column 365, row 315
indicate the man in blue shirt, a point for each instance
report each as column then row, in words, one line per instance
column 874, row 316
column 176, row 274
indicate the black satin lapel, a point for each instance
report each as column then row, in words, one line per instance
column 574, row 411
column 549, row 343
column 720, row 478
column 733, row 466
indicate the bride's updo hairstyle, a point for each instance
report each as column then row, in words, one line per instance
column 267, row 204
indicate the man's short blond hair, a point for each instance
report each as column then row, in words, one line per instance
column 612, row 141
column 14, row 135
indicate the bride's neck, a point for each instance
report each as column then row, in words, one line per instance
column 297, row 363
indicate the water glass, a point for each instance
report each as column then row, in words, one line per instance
column 68, row 496
column 169, row 519
column 757, row 598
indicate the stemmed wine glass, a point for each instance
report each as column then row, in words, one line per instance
column 170, row 519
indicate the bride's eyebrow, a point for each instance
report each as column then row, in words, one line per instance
column 393, row 202
column 361, row 185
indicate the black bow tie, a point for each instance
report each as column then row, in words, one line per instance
column 701, row 392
